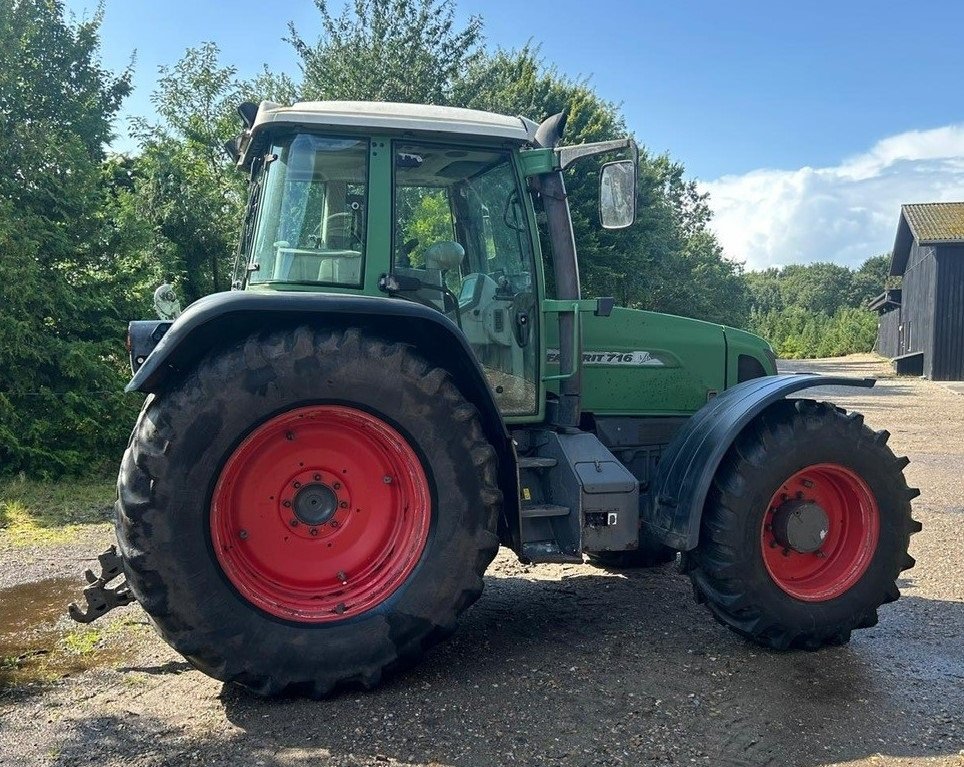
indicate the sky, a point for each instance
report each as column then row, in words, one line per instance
column 808, row 123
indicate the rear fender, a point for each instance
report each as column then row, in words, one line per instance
column 688, row 464
column 224, row 318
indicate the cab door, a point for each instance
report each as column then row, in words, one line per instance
column 462, row 228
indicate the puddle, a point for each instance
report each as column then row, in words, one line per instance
column 37, row 645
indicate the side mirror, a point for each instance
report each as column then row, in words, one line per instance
column 617, row 194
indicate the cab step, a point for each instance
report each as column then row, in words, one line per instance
column 536, row 462
column 543, row 510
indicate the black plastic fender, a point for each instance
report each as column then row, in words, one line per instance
column 687, row 466
column 223, row 318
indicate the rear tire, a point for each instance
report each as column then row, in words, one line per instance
column 215, row 561
column 801, row 452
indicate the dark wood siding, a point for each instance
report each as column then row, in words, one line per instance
column 948, row 314
column 888, row 334
column 917, row 304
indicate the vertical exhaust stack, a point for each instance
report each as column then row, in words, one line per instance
column 565, row 265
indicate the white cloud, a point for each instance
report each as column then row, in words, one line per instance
column 844, row 213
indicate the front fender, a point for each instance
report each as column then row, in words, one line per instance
column 688, row 464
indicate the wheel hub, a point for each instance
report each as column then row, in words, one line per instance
column 801, row 526
column 320, row 514
column 820, row 532
column 315, row 504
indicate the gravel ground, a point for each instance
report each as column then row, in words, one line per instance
column 555, row 665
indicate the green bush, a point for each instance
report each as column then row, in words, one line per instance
column 796, row 333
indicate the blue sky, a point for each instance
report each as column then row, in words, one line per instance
column 809, row 123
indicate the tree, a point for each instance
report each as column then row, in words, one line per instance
column 189, row 191
column 669, row 260
column 413, row 51
column 817, row 310
column 387, row 50
column 66, row 287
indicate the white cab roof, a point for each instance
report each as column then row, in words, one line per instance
column 415, row 118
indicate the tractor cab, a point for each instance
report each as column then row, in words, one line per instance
column 426, row 204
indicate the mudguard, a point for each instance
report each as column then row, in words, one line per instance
column 223, row 318
column 689, row 462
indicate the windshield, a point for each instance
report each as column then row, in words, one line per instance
column 311, row 226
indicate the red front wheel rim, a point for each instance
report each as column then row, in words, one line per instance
column 845, row 551
column 320, row 514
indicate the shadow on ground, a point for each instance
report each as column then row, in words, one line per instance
column 603, row 668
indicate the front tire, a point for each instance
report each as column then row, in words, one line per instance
column 805, row 530
column 307, row 509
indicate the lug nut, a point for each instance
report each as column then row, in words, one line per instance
column 297, row 485
column 340, row 608
column 387, row 480
column 287, row 504
column 289, row 435
column 313, row 531
column 336, row 485
column 293, row 523
column 334, row 523
column 243, row 534
column 343, row 505
column 341, row 576
column 317, row 477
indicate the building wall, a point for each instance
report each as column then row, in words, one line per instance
column 888, row 334
column 948, row 354
column 917, row 304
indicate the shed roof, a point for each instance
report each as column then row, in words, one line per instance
column 930, row 223
column 886, row 301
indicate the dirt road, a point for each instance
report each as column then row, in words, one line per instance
column 555, row 665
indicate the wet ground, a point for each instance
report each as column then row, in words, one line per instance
column 555, row 665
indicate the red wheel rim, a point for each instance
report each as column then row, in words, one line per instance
column 852, row 530
column 320, row 514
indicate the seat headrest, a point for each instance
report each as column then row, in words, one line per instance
column 443, row 255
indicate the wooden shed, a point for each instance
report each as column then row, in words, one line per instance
column 922, row 325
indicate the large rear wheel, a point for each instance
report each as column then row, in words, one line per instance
column 806, row 528
column 307, row 509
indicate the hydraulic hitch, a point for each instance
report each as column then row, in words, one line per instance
column 101, row 599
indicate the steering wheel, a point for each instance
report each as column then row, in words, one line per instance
column 344, row 221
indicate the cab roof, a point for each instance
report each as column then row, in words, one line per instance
column 396, row 117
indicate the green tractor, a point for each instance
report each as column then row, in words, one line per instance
column 406, row 376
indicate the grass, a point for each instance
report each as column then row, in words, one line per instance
column 82, row 641
column 48, row 655
column 36, row 512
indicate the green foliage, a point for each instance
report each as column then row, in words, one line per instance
column 428, row 218
column 387, row 50
column 796, row 333
column 817, row 310
column 188, row 193
column 66, row 285
column 669, row 261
